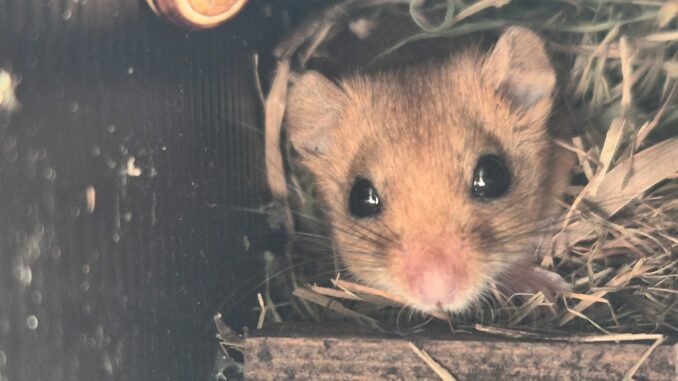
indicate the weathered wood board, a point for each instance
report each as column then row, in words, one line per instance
column 311, row 352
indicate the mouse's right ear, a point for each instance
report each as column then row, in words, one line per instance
column 314, row 107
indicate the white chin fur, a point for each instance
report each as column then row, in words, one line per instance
column 460, row 304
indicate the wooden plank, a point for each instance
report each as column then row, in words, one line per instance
column 312, row 352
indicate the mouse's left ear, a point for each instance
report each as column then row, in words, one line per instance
column 519, row 68
column 314, row 107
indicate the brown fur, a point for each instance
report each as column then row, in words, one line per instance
column 417, row 133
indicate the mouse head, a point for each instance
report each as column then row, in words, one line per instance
column 436, row 177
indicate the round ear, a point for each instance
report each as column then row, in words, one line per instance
column 519, row 68
column 314, row 107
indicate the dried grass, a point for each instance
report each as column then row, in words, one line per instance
column 618, row 245
column 439, row 370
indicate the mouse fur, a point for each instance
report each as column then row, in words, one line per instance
column 416, row 132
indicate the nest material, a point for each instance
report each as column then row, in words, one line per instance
column 618, row 244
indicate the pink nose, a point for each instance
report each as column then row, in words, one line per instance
column 435, row 275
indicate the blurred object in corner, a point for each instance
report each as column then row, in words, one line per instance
column 197, row 14
column 8, row 100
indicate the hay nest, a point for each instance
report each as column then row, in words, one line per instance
column 621, row 219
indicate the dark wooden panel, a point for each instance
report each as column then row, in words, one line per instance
column 163, row 126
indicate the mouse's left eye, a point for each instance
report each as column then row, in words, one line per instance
column 363, row 200
column 490, row 178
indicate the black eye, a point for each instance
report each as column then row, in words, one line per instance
column 490, row 178
column 364, row 200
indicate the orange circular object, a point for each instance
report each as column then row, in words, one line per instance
column 197, row 14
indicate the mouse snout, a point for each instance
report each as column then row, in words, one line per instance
column 436, row 275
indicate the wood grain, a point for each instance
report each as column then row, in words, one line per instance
column 312, row 352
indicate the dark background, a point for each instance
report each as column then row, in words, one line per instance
column 128, row 291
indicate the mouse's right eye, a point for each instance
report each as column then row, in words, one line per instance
column 363, row 201
column 490, row 178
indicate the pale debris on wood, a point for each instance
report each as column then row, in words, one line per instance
column 91, row 196
column 132, row 169
column 629, row 374
column 262, row 312
column 433, row 364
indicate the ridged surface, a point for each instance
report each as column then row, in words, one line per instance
column 128, row 291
